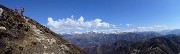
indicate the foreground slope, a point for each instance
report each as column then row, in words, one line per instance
column 22, row 35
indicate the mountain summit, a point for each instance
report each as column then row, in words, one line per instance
column 22, row 35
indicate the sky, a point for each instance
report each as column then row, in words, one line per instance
column 65, row 16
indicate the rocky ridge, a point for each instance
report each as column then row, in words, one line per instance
column 22, row 35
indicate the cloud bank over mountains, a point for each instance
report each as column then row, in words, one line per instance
column 71, row 25
column 79, row 23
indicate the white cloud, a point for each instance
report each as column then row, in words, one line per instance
column 154, row 28
column 129, row 24
column 53, row 23
column 70, row 25
column 73, row 23
column 76, row 24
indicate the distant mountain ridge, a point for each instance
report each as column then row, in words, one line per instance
column 126, row 43
column 169, row 44
column 89, row 39
column 163, row 32
column 176, row 31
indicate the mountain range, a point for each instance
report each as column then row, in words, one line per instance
column 126, row 42
column 157, row 45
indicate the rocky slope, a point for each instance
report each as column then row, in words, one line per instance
column 159, row 45
column 22, row 35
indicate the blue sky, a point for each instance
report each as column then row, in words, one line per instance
column 139, row 13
